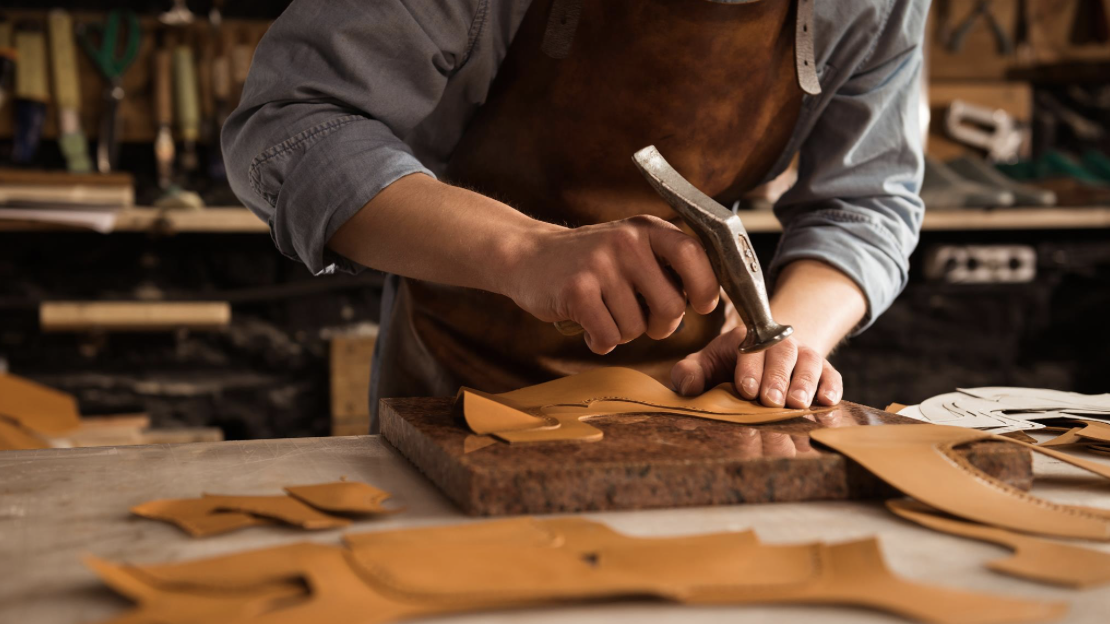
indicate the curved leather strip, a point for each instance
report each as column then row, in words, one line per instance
column 15, row 438
column 1034, row 558
column 37, row 408
column 562, row 23
column 805, row 61
column 198, row 517
column 918, row 460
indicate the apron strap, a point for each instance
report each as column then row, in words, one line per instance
column 804, row 59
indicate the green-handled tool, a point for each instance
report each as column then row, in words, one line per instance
column 67, row 92
column 102, row 43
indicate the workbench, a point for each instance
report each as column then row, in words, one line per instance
column 58, row 504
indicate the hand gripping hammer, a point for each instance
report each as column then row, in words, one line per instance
column 727, row 245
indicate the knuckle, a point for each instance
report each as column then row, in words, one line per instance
column 775, row 379
column 579, row 289
column 688, row 249
column 805, row 378
column 625, row 239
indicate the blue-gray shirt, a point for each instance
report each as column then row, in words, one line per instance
column 346, row 96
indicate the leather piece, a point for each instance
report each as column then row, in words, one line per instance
column 562, row 23
column 307, row 507
column 16, row 438
column 918, row 460
column 805, row 62
column 37, row 408
column 553, row 411
column 345, row 497
column 1034, row 559
column 461, row 568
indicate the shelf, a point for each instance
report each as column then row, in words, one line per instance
column 240, row 220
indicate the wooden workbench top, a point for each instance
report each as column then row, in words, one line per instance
column 58, row 504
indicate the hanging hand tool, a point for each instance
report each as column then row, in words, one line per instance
column 178, row 15
column 726, row 243
column 1002, row 41
column 7, row 61
column 187, row 102
column 220, row 77
column 112, row 63
column 67, row 93
column 31, row 92
column 163, row 113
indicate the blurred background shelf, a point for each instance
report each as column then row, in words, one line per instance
column 239, row 220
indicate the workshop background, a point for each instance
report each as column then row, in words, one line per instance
column 157, row 300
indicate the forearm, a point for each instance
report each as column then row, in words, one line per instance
column 821, row 303
column 421, row 228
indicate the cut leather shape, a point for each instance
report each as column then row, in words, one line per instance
column 16, row 438
column 919, row 461
column 1034, row 558
column 436, row 571
column 213, row 515
column 552, row 411
column 476, row 443
column 37, row 408
column 344, row 497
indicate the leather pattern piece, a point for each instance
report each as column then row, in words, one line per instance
column 16, row 438
column 36, row 408
column 309, row 507
column 344, row 497
column 562, row 23
column 805, row 61
column 404, row 574
column 553, row 411
column 1034, row 559
column 919, row 461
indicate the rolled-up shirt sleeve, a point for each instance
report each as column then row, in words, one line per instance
column 333, row 90
column 856, row 204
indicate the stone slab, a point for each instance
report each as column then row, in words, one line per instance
column 652, row 461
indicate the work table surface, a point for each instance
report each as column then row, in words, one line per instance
column 57, row 505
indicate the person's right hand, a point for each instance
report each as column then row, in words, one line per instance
column 594, row 274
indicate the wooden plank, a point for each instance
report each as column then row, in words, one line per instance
column 350, row 380
column 122, row 316
column 651, row 461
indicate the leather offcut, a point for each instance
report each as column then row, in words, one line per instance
column 311, row 507
column 1034, row 559
column 525, row 562
column 553, row 411
column 919, row 461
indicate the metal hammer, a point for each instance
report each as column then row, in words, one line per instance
column 727, row 245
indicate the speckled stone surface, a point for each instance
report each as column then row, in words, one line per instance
column 652, row 460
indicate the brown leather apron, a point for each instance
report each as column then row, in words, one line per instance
column 713, row 86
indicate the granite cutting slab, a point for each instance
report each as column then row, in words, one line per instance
column 651, row 461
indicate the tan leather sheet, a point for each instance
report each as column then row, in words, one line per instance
column 16, row 438
column 37, row 408
column 554, row 411
column 310, row 507
column 1034, row 558
column 522, row 562
column 919, row 461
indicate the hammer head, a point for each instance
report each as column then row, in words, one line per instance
column 727, row 245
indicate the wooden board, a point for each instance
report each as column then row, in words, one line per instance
column 650, row 461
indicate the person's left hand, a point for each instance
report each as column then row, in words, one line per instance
column 789, row 373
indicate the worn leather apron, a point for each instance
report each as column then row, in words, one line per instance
column 713, row 86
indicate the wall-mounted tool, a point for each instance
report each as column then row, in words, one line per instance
column 102, row 42
column 220, row 85
column 163, row 112
column 990, row 129
column 187, row 104
column 31, row 91
column 67, row 93
column 983, row 9
column 178, row 15
column 7, row 61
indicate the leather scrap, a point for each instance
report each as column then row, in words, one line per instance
column 37, row 408
column 400, row 575
column 16, row 438
column 553, row 411
column 919, row 461
column 344, row 497
column 1034, row 559
column 309, row 507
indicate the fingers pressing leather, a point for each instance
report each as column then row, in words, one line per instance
column 831, row 388
column 687, row 257
column 803, row 383
column 713, row 365
column 749, row 374
column 778, row 364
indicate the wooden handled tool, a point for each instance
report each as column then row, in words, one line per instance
column 31, row 92
column 67, row 93
column 163, row 115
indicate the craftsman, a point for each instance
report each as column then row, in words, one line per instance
column 478, row 151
